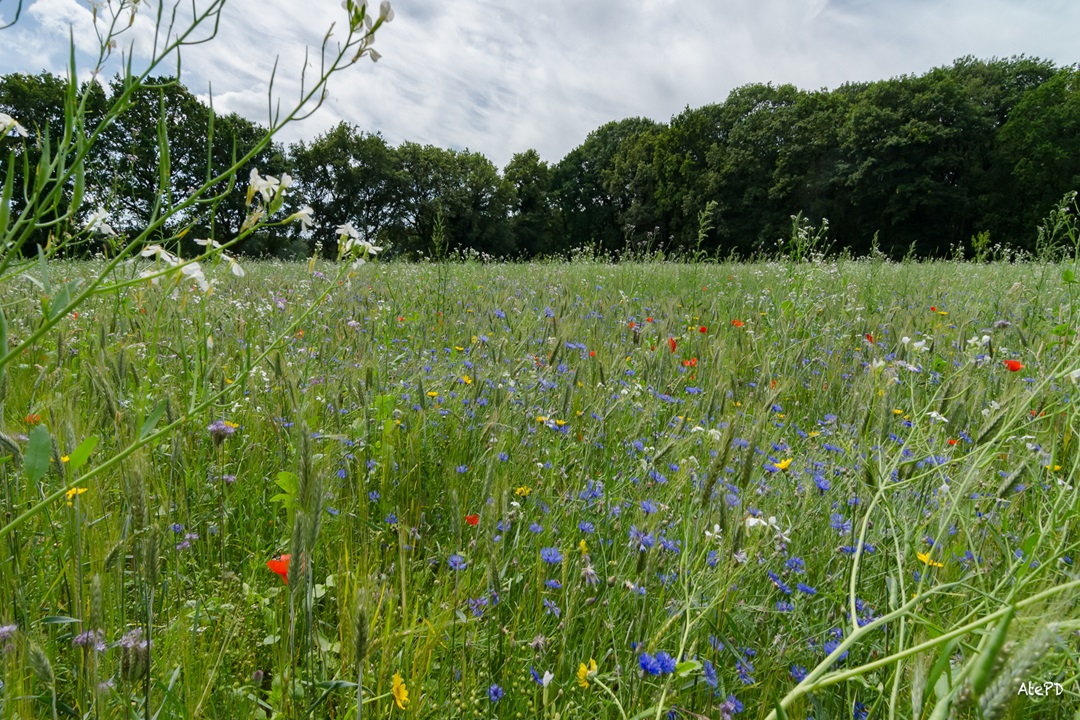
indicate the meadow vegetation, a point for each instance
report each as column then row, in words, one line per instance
column 559, row 490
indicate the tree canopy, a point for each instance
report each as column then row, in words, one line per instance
column 921, row 163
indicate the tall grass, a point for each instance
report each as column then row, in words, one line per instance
column 736, row 488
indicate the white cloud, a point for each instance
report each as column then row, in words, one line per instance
column 500, row 77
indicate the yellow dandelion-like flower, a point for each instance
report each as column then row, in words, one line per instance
column 897, row 411
column 75, row 491
column 466, row 379
column 560, row 423
column 459, row 348
column 783, row 464
column 433, row 393
column 401, row 693
column 925, row 557
column 541, row 418
column 813, row 433
column 584, row 671
column 523, row 491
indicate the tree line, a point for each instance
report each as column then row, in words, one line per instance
column 913, row 165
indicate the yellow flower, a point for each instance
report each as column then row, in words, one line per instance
column 65, row 458
column 433, row 393
column 401, row 693
column 1053, row 469
column 466, row 379
column 897, row 411
column 560, row 423
column 523, row 491
column 813, row 433
column 474, row 338
column 942, row 312
column 541, row 418
column 459, row 348
column 75, row 491
column 584, row 671
column 783, row 464
column 583, row 547
column 925, row 557
column 232, row 424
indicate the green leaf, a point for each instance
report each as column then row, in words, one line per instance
column 1061, row 330
column 38, row 453
column 384, row 406
column 288, row 482
column 1067, row 275
column 780, row 713
column 58, row 620
column 152, row 420
column 81, row 454
column 687, row 667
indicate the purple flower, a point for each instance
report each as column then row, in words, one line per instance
column 838, row 523
column 552, row 608
column 495, row 693
column 90, row 640
column 798, row 673
column 219, row 430
column 803, row 587
column 456, row 562
column 641, row 539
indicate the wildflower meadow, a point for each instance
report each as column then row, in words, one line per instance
column 831, row 489
column 809, row 485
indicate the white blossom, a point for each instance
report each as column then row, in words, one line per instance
column 8, row 123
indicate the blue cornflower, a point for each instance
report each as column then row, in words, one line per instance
column 803, row 587
column 838, row 523
column 462, row 469
column 779, row 583
column 796, row 565
column 649, row 664
column 391, row 519
column 648, row 507
column 657, row 477
column 729, row 707
column 495, row 693
column 477, row 606
column 341, row 473
column 552, row 608
column 782, row 606
column 709, row 673
column 586, row 527
column 456, row 562
column 503, row 457
column 745, row 668
column 666, row 662
column 536, row 528
column 553, row 584
column 641, row 539
column 669, row 545
column 374, row 496
column 551, row 555
column 798, row 673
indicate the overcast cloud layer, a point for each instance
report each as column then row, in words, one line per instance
column 502, row 76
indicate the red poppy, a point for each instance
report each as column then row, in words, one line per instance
column 671, row 343
column 592, row 353
column 472, row 519
column 401, row 318
column 737, row 323
column 1014, row 365
column 703, row 329
column 692, row 362
column 933, row 308
column 648, row 319
column 281, row 567
column 32, row 419
column 631, row 324
column 869, row 338
column 953, row 441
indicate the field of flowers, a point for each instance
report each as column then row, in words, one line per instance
column 571, row 490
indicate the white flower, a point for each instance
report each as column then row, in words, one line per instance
column 195, row 272
column 306, row 217
column 753, row 522
column 347, row 230
column 8, row 123
column 905, row 340
column 212, row 243
column 935, row 415
column 920, row 346
column 386, row 13
column 161, row 253
column 714, row 534
column 235, row 269
column 97, row 220
column 1074, row 375
column 269, row 186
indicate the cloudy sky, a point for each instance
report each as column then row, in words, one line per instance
column 501, row 76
